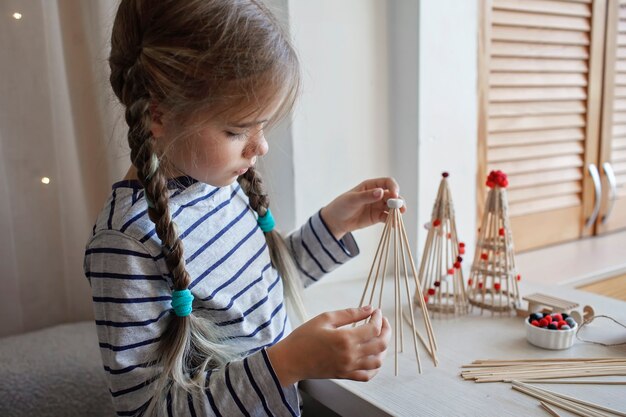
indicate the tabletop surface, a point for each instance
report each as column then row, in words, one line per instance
column 440, row 391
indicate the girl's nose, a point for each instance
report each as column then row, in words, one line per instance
column 258, row 146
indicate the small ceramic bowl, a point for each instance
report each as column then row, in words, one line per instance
column 549, row 339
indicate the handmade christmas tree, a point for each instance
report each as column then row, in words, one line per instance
column 440, row 269
column 493, row 280
column 394, row 235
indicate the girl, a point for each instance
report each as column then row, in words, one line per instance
column 186, row 270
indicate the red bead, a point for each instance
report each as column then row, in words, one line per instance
column 449, row 235
column 431, row 291
column 501, row 232
column 557, row 317
column 496, row 286
column 451, row 271
column 457, row 265
column 469, row 282
column 561, row 323
column 480, row 285
column 548, row 318
column 437, row 222
column 543, row 322
column 437, row 283
column 462, row 251
column 461, row 245
column 444, row 174
column 484, row 256
column 519, row 277
column 535, row 323
column 425, row 298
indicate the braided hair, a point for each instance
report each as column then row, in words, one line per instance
column 186, row 56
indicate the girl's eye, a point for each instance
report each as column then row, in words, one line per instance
column 236, row 136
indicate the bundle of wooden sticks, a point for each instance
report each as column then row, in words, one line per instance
column 542, row 369
column 522, row 372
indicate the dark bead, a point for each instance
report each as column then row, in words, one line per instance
column 553, row 326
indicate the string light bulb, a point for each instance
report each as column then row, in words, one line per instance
column 45, row 180
column 17, row 15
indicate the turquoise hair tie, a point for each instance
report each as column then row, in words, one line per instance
column 266, row 222
column 181, row 302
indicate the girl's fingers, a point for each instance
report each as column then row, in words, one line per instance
column 340, row 318
column 369, row 363
column 386, row 183
column 361, row 376
column 369, row 330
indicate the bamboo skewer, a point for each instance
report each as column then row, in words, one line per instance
column 574, row 408
column 575, row 405
column 394, row 241
column 549, row 409
column 580, row 382
column 537, row 370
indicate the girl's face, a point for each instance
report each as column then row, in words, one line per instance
column 220, row 150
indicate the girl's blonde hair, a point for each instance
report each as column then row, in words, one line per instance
column 224, row 57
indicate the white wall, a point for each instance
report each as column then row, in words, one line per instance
column 389, row 89
column 340, row 127
column 448, row 110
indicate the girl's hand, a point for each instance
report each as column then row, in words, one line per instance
column 321, row 349
column 364, row 205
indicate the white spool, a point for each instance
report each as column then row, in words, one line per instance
column 395, row 203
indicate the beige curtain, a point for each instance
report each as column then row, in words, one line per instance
column 58, row 119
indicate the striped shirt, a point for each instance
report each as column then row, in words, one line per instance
column 232, row 281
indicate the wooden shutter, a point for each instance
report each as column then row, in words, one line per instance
column 613, row 138
column 540, row 78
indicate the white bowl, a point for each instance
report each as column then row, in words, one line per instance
column 549, row 339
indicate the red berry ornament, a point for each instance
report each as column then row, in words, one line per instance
column 501, row 231
column 431, row 291
column 461, row 245
column 469, row 282
column 496, row 286
column 437, row 283
column 437, row 222
column 535, row 323
column 484, row 256
column 451, row 271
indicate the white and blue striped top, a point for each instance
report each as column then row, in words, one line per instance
column 232, row 280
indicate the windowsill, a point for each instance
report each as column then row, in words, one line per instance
column 575, row 263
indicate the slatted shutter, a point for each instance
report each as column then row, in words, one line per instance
column 613, row 139
column 540, row 77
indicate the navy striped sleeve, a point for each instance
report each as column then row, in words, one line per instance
column 317, row 252
column 132, row 311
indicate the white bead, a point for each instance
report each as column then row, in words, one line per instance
column 395, row 203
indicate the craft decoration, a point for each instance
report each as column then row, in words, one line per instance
column 493, row 282
column 394, row 235
column 440, row 270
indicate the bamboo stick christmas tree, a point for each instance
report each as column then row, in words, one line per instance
column 394, row 235
column 440, row 272
column 493, row 280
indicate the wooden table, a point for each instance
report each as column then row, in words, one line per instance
column 440, row 391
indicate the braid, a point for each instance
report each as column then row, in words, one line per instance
column 252, row 184
column 142, row 146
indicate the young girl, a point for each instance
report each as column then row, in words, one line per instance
column 186, row 269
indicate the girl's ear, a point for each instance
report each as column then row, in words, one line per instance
column 156, row 123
